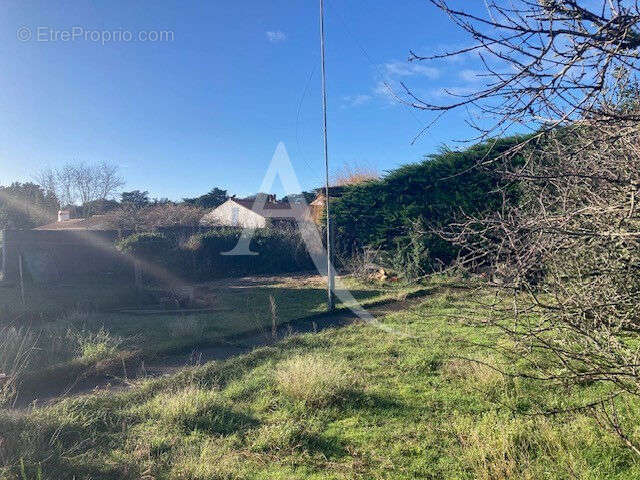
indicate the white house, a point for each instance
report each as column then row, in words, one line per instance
column 253, row 213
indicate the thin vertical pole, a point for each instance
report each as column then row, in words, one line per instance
column 3, row 254
column 330, row 272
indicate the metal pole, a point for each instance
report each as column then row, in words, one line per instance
column 21, row 270
column 330, row 273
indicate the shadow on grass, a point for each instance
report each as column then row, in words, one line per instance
column 328, row 446
column 359, row 400
column 221, row 421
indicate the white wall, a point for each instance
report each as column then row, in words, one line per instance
column 231, row 213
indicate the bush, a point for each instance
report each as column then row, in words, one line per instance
column 570, row 251
column 147, row 246
column 153, row 217
column 315, row 380
column 200, row 257
column 411, row 257
column 278, row 251
column 153, row 249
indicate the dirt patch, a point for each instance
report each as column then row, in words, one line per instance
column 294, row 279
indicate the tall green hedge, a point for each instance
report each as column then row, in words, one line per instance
column 408, row 202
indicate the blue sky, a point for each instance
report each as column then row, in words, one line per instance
column 207, row 106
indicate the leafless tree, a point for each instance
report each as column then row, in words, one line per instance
column 109, row 180
column 46, row 178
column 565, row 257
column 545, row 61
column 58, row 181
column 81, row 182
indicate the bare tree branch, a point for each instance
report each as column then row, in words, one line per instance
column 547, row 62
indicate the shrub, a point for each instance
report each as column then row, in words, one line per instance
column 315, row 380
column 278, row 251
column 153, row 248
column 201, row 257
column 153, row 217
column 148, row 246
column 171, row 215
column 567, row 258
column 410, row 255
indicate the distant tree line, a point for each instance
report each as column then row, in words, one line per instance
column 26, row 205
column 92, row 189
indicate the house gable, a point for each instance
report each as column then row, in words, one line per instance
column 235, row 214
column 253, row 214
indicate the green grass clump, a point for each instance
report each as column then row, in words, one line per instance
column 53, row 353
column 17, row 345
column 316, row 380
column 96, row 346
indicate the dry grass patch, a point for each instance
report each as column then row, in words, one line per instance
column 316, row 380
column 17, row 345
column 479, row 374
column 210, row 459
column 500, row 447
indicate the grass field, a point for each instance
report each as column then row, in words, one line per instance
column 62, row 331
column 355, row 402
column 48, row 301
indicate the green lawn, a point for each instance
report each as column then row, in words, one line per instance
column 355, row 402
column 236, row 311
column 80, row 329
column 49, row 301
